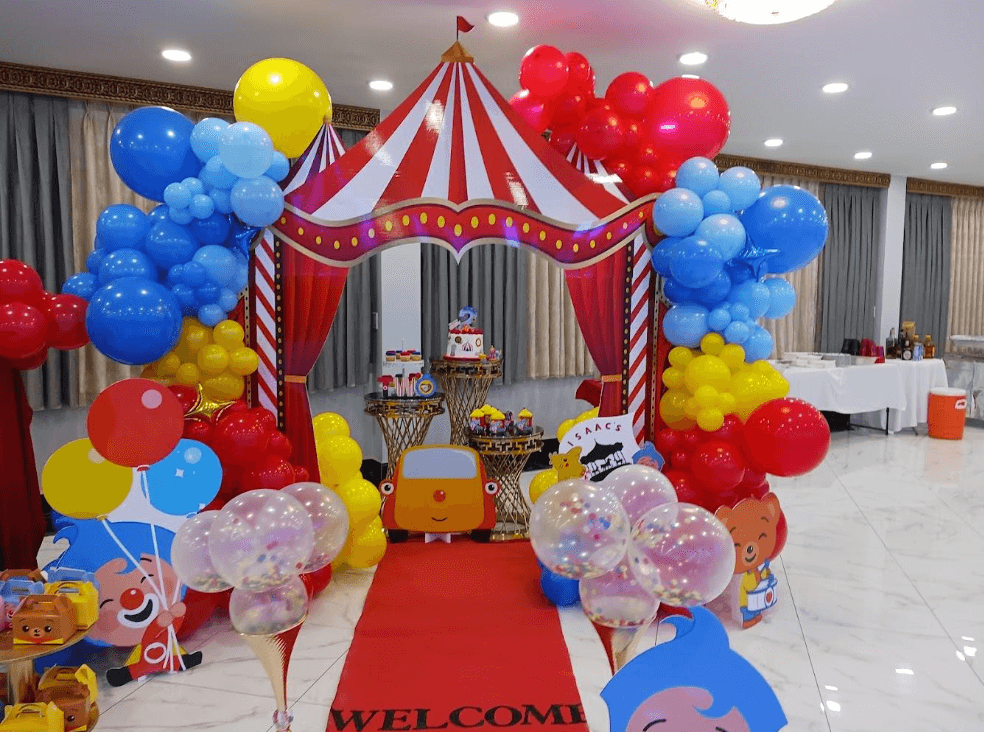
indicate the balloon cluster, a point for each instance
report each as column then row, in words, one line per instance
column 214, row 358
column 723, row 236
column 33, row 320
column 340, row 464
column 641, row 132
column 546, row 478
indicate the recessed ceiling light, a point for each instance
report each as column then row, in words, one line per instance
column 938, row 166
column 863, row 155
column 175, row 54
column 693, row 58
column 905, row 671
column 689, row 76
column 773, row 142
column 944, row 111
column 380, row 85
column 835, row 87
column 503, row 18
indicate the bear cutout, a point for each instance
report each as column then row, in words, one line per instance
column 753, row 526
column 568, row 464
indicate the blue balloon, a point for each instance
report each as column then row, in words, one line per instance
column 678, row 212
column 133, row 320
column 753, row 295
column 699, row 175
column 194, row 185
column 561, row 591
column 241, row 238
column 201, row 206
column 724, row 232
column 212, row 229
column 715, row 292
column 737, row 332
column 719, row 319
column 221, row 200
column 186, row 297
column 738, row 272
column 685, row 325
column 122, row 226
column 193, row 274
column 216, row 174
column 151, row 148
column 169, row 244
column 95, row 259
column 228, row 299
column 257, row 201
column 782, row 297
column 159, row 213
column 279, row 168
column 789, row 225
column 208, row 294
column 181, row 216
column 219, row 263
column 186, row 480
column 695, row 262
column 81, row 284
column 175, row 274
column 205, row 137
column 716, row 202
column 246, row 149
column 741, row 185
column 677, row 293
column 177, row 195
column 126, row 263
column 759, row 344
column 739, row 312
column 663, row 254
column 241, row 281
column 211, row 315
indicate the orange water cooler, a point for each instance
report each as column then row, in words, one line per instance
column 947, row 413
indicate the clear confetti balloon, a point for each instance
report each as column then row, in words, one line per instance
column 579, row 529
column 682, row 554
column 270, row 611
column 190, row 556
column 329, row 518
column 640, row 488
column 618, row 599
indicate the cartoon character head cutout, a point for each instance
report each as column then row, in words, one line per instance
column 568, row 464
column 753, row 524
column 694, row 683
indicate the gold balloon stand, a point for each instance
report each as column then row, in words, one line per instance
column 505, row 457
column 466, row 387
column 274, row 650
column 404, row 422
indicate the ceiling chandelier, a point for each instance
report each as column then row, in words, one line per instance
column 766, row 12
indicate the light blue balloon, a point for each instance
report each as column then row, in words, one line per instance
column 695, row 262
column 246, row 149
column 716, row 202
column 186, row 298
column 122, row 226
column 201, row 206
column 685, row 325
column 177, row 195
column 228, row 299
column 678, row 212
column 180, row 216
column 169, row 244
column 211, row 315
column 716, row 291
column 126, row 263
column 753, row 295
column 81, row 284
column 220, row 197
column 738, row 311
column 719, row 319
column 663, row 254
column 208, row 294
column 279, row 168
column 205, row 137
column 677, row 293
column 699, row 175
column 194, row 186
column 242, row 278
column 741, row 185
column 95, row 259
column 186, row 480
column 193, row 274
column 219, row 264
column 724, row 232
column 759, row 344
column 782, row 297
column 217, row 174
column 737, row 332
column 257, row 201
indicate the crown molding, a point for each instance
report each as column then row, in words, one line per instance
column 139, row 92
column 937, row 188
column 839, row 176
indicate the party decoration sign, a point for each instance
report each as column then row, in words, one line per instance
column 607, row 443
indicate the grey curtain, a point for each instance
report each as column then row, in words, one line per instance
column 926, row 254
column 493, row 278
column 36, row 217
column 849, row 266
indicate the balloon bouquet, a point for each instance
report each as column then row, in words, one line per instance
column 546, row 478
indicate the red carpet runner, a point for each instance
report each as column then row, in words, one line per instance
column 457, row 637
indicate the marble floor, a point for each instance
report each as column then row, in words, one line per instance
column 883, row 613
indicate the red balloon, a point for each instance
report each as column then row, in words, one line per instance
column 569, row 108
column 621, row 168
column 753, row 478
column 301, row 474
column 267, row 419
column 315, row 582
column 272, row 473
column 23, row 331
column 731, row 430
column 668, row 440
column 688, row 117
column 680, row 459
column 562, row 141
column 32, row 361
column 66, row 321
column 19, row 283
column 241, row 439
column 647, row 153
column 787, row 437
column 535, row 112
column 633, row 138
column 135, row 422
column 687, row 489
column 719, row 465
column 196, row 429
column 543, row 72
column 599, row 103
column 279, row 445
column 580, row 74
column 600, row 134
column 641, row 180
column 186, row 395
column 691, row 438
column 630, row 94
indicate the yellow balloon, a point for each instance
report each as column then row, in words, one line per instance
column 680, row 357
column 81, row 483
column 707, row 396
column 362, row 500
column 733, row 355
column 563, row 427
column 712, row 344
column 229, row 334
column 672, row 405
column 710, row 420
column 223, row 387
column 709, row 370
column 541, row 482
column 327, row 424
column 681, row 424
column 339, row 458
column 673, row 378
column 168, row 366
column 589, row 414
column 194, row 336
column 692, row 408
column 213, row 359
column 285, row 98
column 188, row 374
column 726, row 402
column 243, row 361
column 368, row 547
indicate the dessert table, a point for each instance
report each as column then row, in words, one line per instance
column 504, row 457
column 404, row 422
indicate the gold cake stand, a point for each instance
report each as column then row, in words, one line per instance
column 404, row 422
column 505, row 457
column 466, row 384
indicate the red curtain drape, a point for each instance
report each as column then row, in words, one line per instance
column 598, row 294
column 22, row 515
column 311, row 292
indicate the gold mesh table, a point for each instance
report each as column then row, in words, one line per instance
column 466, row 384
column 404, row 422
column 504, row 458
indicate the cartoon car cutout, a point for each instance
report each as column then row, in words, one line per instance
column 439, row 489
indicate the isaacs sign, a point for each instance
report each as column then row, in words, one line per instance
column 464, row 717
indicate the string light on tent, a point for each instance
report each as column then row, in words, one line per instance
column 766, row 12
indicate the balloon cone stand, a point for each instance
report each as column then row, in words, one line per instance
column 620, row 644
column 274, row 652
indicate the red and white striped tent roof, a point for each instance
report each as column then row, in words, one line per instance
column 596, row 171
column 325, row 149
column 455, row 165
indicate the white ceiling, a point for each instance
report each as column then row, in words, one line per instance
column 902, row 58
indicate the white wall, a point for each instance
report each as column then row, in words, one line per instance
column 888, row 300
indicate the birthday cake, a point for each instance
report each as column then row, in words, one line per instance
column 465, row 341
